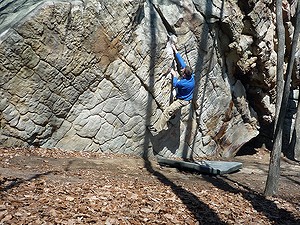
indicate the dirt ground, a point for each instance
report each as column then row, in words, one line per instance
column 50, row 186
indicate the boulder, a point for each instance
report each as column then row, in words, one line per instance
column 90, row 75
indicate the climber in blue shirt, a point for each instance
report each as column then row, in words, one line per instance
column 185, row 86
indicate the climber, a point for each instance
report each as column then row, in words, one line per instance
column 185, row 88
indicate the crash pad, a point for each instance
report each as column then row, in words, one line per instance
column 207, row 167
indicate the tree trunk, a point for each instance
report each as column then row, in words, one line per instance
column 295, row 152
column 296, row 134
column 274, row 167
column 281, row 98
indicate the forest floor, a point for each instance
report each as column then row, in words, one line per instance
column 51, row 186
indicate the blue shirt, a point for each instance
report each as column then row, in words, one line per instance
column 185, row 86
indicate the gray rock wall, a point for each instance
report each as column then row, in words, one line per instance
column 89, row 75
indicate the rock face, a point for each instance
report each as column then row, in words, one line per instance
column 90, row 75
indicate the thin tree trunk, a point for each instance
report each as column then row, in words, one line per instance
column 296, row 133
column 296, row 150
column 274, row 166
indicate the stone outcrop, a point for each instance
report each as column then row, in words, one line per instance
column 90, row 75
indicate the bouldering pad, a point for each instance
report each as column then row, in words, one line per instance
column 207, row 167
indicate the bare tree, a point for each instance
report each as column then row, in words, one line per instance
column 274, row 167
column 283, row 91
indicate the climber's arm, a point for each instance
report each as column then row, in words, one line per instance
column 179, row 58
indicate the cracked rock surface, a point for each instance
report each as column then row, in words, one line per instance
column 89, row 75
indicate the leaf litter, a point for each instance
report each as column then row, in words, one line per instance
column 52, row 186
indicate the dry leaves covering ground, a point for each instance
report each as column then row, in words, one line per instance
column 50, row 186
